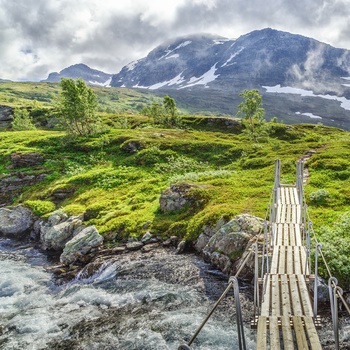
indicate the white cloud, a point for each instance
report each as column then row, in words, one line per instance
column 41, row 36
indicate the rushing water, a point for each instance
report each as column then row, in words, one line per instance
column 127, row 304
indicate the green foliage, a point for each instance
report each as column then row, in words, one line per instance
column 253, row 112
column 165, row 115
column 336, row 249
column 22, row 120
column 76, row 107
column 319, row 197
column 40, row 207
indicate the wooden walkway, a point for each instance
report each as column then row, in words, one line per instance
column 286, row 319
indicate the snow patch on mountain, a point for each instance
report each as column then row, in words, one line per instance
column 227, row 63
column 310, row 115
column 206, row 78
column 168, row 52
column 176, row 55
column 344, row 102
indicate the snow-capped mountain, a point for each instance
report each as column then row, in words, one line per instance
column 301, row 79
column 91, row 76
column 261, row 58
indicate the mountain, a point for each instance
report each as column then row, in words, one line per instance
column 301, row 79
column 91, row 76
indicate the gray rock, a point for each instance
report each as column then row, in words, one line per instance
column 172, row 241
column 80, row 245
column 229, row 243
column 146, row 237
column 207, row 233
column 15, row 221
column 134, row 245
column 181, row 247
column 177, row 197
column 57, row 236
column 57, row 217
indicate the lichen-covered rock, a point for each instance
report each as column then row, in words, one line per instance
column 26, row 160
column 15, row 221
column 208, row 232
column 55, row 237
column 80, row 245
column 179, row 196
column 229, row 243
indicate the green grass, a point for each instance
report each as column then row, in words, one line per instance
column 117, row 187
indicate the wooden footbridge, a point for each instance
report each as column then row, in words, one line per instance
column 286, row 318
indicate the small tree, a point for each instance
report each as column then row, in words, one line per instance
column 166, row 114
column 253, row 112
column 22, row 120
column 76, row 107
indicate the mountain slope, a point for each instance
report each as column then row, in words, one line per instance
column 301, row 78
column 91, row 76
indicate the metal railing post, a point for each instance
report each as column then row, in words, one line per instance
column 333, row 298
column 240, row 327
column 318, row 246
column 256, row 280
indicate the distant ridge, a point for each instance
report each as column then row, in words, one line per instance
column 91, row 76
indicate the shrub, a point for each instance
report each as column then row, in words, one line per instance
column 319, row 197
column 39, row 207
column 22, row 120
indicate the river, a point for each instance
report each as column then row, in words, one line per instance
column 152, row 301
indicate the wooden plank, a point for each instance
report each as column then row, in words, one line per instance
column 265, row 306
column 297, row 235
column 283, row 198
column 298, row 214
column 261, row 337
column 290, row 260
column 285, row 234
column 303, row 259
column 297, row 263
column 291, row 196
column 312, row 334
column 274, row 333
column 300, row 333
column 296, row 197
column 288, row 213
column 275, row 259
column 288, row 343
column 287, row 196
column 282, row 260
column 280, row 234
column 294, row 214
column 275, row 294
column 304, row 296
column 286, row 306
column 292, row 234
column 278, row 217
column 283, row 214
column 294, row 291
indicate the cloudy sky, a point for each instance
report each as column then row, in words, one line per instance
column 42, row 36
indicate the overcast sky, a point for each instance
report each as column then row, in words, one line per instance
column 41, row 36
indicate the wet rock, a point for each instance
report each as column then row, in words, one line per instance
column 55, row 237
column 181, row 247
column 80, row 245
column 134, row 245
column 172, row 241
column 230, row 242
column 146, row 237
column 15, row 221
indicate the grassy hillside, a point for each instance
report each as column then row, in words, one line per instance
column 116, row 178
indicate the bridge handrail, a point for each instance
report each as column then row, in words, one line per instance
column 233, row 282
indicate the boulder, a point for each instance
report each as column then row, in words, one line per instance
column 26, row 160
column 225, row 248
column 15, row 221
column 55, row 237
column 85, row 242
column 134, row 245
column 180, row 196
column 6, row 116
